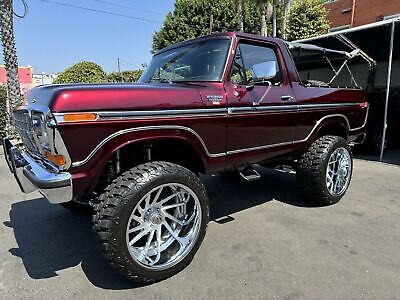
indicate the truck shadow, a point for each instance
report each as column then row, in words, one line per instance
column 51, row 239
column 231, row 194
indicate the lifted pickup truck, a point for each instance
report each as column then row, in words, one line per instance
column 215, row 104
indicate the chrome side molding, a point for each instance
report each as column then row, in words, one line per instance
column 145, row 128
column 212, row 155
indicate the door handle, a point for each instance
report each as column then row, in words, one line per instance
column 287, row 98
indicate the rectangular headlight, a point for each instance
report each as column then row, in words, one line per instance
column 40, row 131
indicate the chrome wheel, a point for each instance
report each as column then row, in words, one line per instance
column 164, row 226
column 338, row 171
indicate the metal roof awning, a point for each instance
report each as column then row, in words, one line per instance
column 372, row 39
column 351, row 30
column 376, row 43
column 308, row 56
column 313, row 48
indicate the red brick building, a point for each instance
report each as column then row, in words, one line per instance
column 344, row 14
column 25, row 77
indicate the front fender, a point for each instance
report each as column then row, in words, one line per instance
column 86, row 172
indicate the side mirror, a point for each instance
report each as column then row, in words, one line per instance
column 265, row 70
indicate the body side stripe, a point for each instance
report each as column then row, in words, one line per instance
column 203, row 112
column 212, row 155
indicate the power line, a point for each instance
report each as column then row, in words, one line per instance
column 26, row 9
column 129, row 63
column 129, row 7
column 101, row 11
column 193, row 26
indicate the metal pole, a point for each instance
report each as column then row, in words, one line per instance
column 119, row 69
column 353, row 13
column 390, row 62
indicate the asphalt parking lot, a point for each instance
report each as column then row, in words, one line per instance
column 264, row 241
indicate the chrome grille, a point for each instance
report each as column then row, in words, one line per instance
column 23, row 125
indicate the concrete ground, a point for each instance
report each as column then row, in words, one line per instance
column 263, row 242
column 391, row 156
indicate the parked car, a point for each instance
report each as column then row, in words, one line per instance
column 210, row 105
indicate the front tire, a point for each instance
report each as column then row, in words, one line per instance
column 151, row 221
column 324, row 171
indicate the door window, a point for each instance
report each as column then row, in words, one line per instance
column 255, row 65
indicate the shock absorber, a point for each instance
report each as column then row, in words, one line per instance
column 118, row 162
column 147, row 151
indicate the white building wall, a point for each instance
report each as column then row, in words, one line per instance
column 41, row 79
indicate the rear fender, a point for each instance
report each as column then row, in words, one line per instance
column 335, row 125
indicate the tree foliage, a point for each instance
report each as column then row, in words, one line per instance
column 124, row 76
column 3, row 110
column 191, row 18
column 251, row 17
column 83, row 72
column 89, row 72
column 307, row 18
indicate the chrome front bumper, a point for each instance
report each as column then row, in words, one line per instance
column 31, row 175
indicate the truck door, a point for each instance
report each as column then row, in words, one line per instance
column 261, row 106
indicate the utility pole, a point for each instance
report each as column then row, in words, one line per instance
column 119, row 69
column 210, row 28
column 10, row 57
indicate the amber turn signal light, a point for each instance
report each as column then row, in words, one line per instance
column 58, row 160
column 81, row 117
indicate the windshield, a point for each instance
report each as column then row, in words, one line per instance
column 201, row 61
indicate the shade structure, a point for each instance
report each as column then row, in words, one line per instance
column 379, row 44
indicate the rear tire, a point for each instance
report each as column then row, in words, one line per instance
column 142, row 234
column 324, row 171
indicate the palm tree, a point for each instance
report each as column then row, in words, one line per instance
column 239, row 9
column 274, row 29
column 9, row 54
column 286, row 11
column 263, row 21
column 266, row 11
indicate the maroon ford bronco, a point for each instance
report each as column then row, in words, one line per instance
column 133, row 152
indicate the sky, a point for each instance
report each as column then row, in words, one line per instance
column 53, row 37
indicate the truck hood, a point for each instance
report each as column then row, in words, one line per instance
column 107, row 97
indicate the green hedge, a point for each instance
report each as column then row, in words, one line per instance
column 125, row 76
column 83, row 72
column 3, row 112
